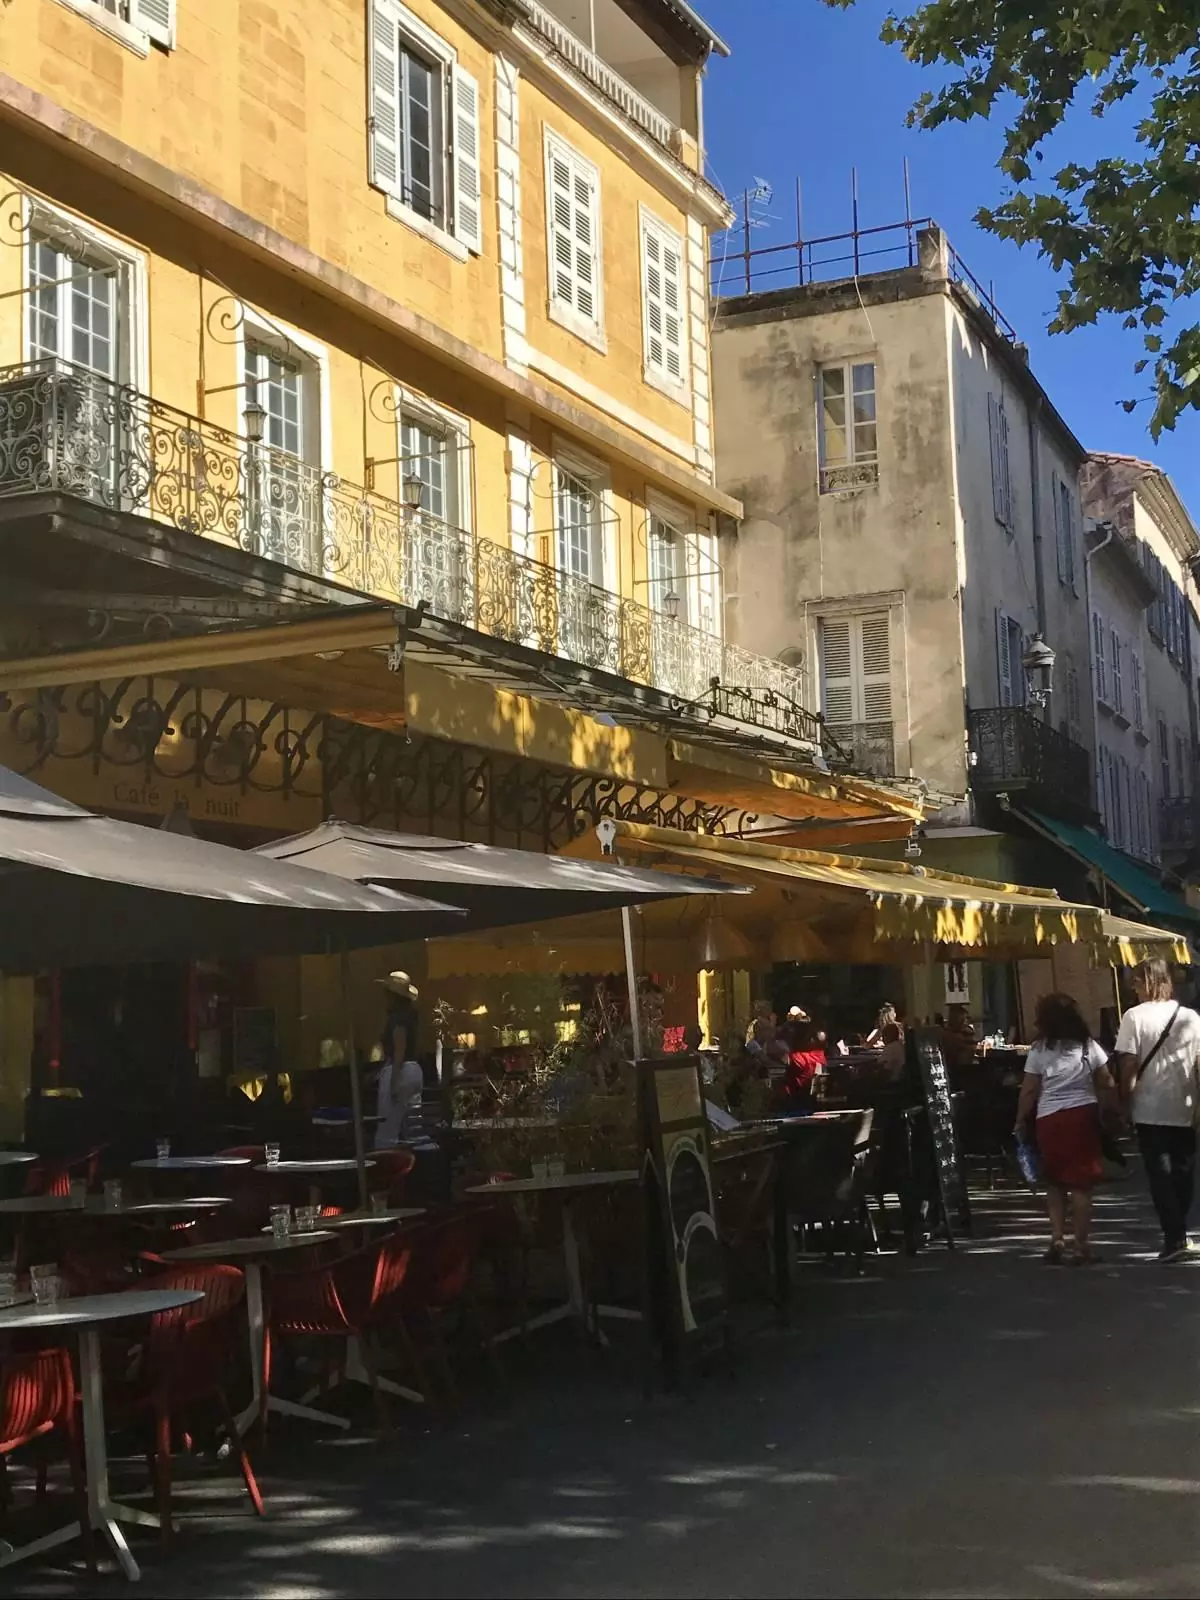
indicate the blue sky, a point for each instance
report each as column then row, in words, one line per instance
column 811, row 93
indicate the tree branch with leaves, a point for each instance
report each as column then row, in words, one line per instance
column 1125, row 228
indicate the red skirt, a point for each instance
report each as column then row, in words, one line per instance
column 1069, row 1145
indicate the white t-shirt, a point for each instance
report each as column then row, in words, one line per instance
column 1066, row 1072
column 398, row 1103
column 1166, row 1090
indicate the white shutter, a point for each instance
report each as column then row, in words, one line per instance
column 1135, row 673
column 382, row 132
column 837, row 675
column 708, row 584
column 1003, row 660
column 662, row 290
column 1098, row 657
column 154, row 18
column 1116, row 674
column 573, row 231
column 1060, row 533
column 465, row 163
column 876, row 664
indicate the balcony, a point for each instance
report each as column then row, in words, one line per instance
column 1179, row 825
column 597, row 72
column 867, row 747
column 66, row 431
column 1014, row 752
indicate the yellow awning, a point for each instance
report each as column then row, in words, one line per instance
column 1127, row 943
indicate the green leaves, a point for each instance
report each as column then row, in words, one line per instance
column 1124, row 229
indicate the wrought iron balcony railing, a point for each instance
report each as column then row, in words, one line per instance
column 1014, row 752
column 68, row 431
column 1179, row 824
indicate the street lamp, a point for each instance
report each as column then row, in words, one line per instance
column 255, row 420
column 413, row 489
column 671, row 603
column 1038, row 662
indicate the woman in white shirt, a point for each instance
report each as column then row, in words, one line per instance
column 401, row 1081
column 1066, row 1077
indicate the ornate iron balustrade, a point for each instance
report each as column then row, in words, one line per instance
column 1012, row 751
column 868, row 747
column 600, row 75
column 68, row 431
column 1179, row 823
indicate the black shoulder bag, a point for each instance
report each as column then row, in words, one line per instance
column 1158, row 1044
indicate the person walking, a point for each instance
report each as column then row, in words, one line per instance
column 1158, row 1061
column 1066, row 1079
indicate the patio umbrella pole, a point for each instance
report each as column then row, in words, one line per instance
column 360, row 1152
column 635, row 1019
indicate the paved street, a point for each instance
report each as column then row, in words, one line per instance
column 974, row 1425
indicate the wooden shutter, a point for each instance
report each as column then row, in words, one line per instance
column 464, row 162
column 1098, row 657
column 154, row 18
column 1115, row 672
column 1003, row 660
column 1060, row 555
column 994, row 441
column 876, row 668
column 662, row 288
column 837, row 673
column 574, row 232
column 382, row 133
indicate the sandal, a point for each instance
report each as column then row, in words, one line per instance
column 1054, row 1255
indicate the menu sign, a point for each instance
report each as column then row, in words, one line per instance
column 686, row 1270
column 936, row 1086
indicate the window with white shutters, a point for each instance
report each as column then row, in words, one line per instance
column 665, row 346
column 1010, row 647
column 1099, row 658
column 154, row 18
column 1164, row 761
column 137, row 23
column 573, row 239
column 423, row 127
column 1001, row 481
column 1135, row 677
column 856, row 684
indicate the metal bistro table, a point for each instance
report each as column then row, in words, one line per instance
column 189, row 1163
column 252, row 1255
column 85, row 1317
column 565, row 1188
column 16, row 1158
column 333, row 1166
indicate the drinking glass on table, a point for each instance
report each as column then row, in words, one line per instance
column 306, row 1218
column 78, row 1191
column 281, row 1221
column 556, row 1168
column 46, row 1283
column 271, row 1151
column 540, row 1169
column 379, row 1202
column 8, row 1283
column 112, row 1194
column 162, row 1149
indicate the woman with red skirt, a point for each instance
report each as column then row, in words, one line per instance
column 1066, row 1079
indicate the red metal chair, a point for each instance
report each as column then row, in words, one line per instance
column 393, row 1167
column 439, row 1281
column 349, row 1299
column 53, row 1176
column 183, row 1364
column 37, row 1399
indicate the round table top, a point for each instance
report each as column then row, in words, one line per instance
column 24, row 1203
column 88, row 1309
column 15, row 1158
column 369, row 1219
column 238, row 1249
column 96, row 1207
column 568, row 1180
column 316, row 1166
column 190, row 1163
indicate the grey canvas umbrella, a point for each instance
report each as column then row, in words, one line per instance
column 78, row 889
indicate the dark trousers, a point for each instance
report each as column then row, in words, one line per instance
column 1170, row 1158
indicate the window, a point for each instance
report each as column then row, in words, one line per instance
column 1064, row 532
column 1147, row 814
column 1164, row 761
column 138, row 23
column 573, row 239
column 848, row 437
column 74, row 308
column 1116, row 805
column 1115, row 668
column 1102, row 790
column 667, row 562
column 577, row 519
column 1002, row 500
column 283, row 473
column 1010, row 647
column 435, row 450
column 663, row 305
column 1136, row 671
column 1074, row 712
column 856, row 669
column 1182, row 785
column 423, row 127
column 1100, row 658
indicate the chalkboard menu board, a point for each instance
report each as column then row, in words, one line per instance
column 936, row 1088
column 686, row 1271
